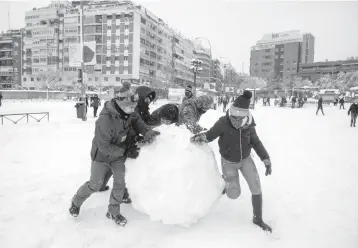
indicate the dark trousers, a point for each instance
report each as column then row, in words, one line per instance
column 224, row 108
column 341, row 105
column 319, row 108
column 95, row 111
column 353, row 119
column 0, row 103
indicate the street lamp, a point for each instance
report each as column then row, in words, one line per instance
column 195, row 67
column 211, row 61
column 225, row 68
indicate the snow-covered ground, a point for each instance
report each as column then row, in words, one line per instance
column 311, row 199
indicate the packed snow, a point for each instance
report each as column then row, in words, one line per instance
column 311, row 198
column 165, row 182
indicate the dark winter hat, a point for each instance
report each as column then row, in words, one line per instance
column 189, row 89
column 240, row 107
column 170, row 113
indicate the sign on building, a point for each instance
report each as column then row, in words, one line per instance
column 75, row 56
column 89, row 53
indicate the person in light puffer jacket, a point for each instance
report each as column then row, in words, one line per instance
column 237, row 136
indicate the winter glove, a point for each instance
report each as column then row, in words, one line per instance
column 149, row 135
column 267, row 163
column 133, row 152
column 199, row 138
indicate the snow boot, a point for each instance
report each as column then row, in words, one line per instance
column 105, row 188
column 74, row 211
column 126, row 198
column 257, row 219
column 118, row 219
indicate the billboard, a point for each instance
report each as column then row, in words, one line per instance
column 294, row 35
column 89, row 53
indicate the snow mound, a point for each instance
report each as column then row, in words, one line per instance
column 174, row 180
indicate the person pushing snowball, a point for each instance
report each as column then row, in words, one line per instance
column 237, row 135
column 109, row 151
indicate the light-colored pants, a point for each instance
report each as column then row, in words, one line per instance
column 231, row 176
column 98, row 172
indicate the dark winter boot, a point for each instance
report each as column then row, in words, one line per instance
column 257, row 206
column 126, row 198
column 105, row 188
column 118, row 219
column 74, row 211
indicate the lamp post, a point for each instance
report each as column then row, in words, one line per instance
column 226, row 69
column 211, row 61
column 195, row 67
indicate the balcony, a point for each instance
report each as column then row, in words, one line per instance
column 6, row 58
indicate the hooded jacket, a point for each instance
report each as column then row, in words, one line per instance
column 236, row 144
column 110, row 136
column 143, row 107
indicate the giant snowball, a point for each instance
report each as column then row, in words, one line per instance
column 174, row 180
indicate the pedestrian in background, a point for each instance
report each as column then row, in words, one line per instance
column 95, row 103
column 320, row 105
column 353, row 111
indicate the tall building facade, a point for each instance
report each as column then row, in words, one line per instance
column 131, row 44
column 11, row 48
column 278, row 56
column 43, row 43
column 207, row 64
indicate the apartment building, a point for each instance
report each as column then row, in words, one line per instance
column 278, row 55
column 131, row 44
column 10, row 58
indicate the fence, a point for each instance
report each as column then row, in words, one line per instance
column 23, row 115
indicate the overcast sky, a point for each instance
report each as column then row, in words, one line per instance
column 234, row 26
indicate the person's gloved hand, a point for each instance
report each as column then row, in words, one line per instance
column 149, row 135
column 199, row 138
column 133, row 152
column 268, row 166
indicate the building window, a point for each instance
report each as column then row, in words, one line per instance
column 108, row 38
column 126, row 47
column 106, row 79
column 96, row 79
column 126, row 37
column 117, row 37
column 118, row 79
column 126, row 26
column 125, row 57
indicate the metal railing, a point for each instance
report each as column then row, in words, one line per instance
column 23, row 115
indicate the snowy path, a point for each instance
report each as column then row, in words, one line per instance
column 311, row 199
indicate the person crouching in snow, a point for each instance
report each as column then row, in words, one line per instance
column 109, row 152
column 166, row 114
column 191, row 110
column 237, row 135
column 353, row 111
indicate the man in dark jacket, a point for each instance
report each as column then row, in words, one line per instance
column 95, row 103
column 109, row 152
column 341, row 103
column 0, row 98
column 237, row 135
column 146, row 96
column 188, row 93
column 353, row 111
column 320, row 105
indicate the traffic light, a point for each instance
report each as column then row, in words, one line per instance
column 79, row 76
